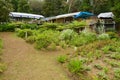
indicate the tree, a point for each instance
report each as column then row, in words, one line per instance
column 116, row 11
column 5, row 8
column 53, row 7
column 36, row 6
column 85, row 5
column 23, row 6
column 15, row 4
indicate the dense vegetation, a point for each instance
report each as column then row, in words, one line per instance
column 56, row 7
column 97, row 60
column 2, row 65
column 93, row 53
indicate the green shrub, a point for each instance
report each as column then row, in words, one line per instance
column 115, row 56
column 52, row 47
column 102, row 76
column 67, row 34
column 7, row 27
column 106, row 69
column 31, row 39
column 63, row 44
column 45, row 38
column 77, row 24
column 98, row 66
column 106, row 49
column 84, row 38
column 62, row 58
column 76, row 66
column 43, row 41
column 24, row 33
column 1, row 46
column 3, row 67
column 29, row 26
column 117, row 73
column 103, row 36
column 1, row 43
column 113, row 35
column 50, row 25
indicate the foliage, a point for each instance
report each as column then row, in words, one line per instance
column 103, row 76
column 36, row 6
column 23, row 6
column 49, row 25
column 5, row 8
column 103, row 36
column 2, row 67
column 106, row 49
column 44, row 39
column 24, row 33
column 31, row 39
column 113, row 35
column 77, row 24
column 1, row 46
column 13, row 25
column 115, row 56
column 67, row 34
column 52, row 47
column 98, row 66
column 117, row 73
column 62, row 58
column 76, row 66
column 50, row 7
column 84, row 38
column 116, row 10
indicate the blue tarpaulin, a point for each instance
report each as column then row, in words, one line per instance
column 83, row 15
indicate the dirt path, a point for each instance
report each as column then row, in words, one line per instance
column 26, row 63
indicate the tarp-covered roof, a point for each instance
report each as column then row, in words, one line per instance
column 83, row 15
column 25, row 15
column 106, row 15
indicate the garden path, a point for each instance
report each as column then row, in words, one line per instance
column 26, row 63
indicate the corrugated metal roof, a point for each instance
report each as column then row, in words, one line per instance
column 25, row 15
column 106, row 15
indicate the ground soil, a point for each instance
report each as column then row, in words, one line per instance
column 26, row 63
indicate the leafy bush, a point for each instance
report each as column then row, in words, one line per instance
column 52, row 47
column 76, row 66
column 31, row 39
column 67, row 34
column 62, row 58
column 7, row 27
column 106, row 49
column 98, row 66
column 117, row 73
column 115, row 56
column 77, row 24
column 47, row 37
column 11, row 26
column 113, row 35
column 63, row 44
column 43, row 41
column 83, row 38
column 50, row 25
column 3, row 67
column 102, row 76
column 103, row 36
column 1, row 45
column 24, row 33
